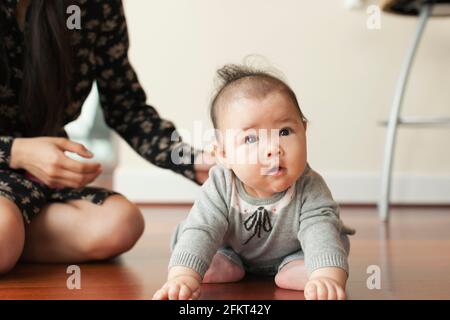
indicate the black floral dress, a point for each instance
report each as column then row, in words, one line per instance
column 101, row 55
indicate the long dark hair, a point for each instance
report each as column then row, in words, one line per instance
column 47, row 67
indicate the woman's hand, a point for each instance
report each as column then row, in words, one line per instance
column 203, row 164
column 45, row 159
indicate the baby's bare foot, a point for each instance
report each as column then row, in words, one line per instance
column 223, row 270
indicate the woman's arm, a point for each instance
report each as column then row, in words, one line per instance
column 124, row 102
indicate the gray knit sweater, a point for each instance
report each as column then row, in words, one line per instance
column 262, row 231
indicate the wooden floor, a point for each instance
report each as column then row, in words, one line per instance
column 413, row 253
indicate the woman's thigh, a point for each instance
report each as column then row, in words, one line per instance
column 15, row 199
column 12, row 234
column 79, row 230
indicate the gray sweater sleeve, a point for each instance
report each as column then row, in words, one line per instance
column 320, row 226
column 204, row 229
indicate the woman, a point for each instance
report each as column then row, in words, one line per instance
column 47, row 213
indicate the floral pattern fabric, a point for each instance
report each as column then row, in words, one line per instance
column 31, row 196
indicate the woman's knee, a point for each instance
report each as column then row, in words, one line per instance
column 12, row 235
column 119, row 224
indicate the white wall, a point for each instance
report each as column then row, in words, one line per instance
column 344, row 75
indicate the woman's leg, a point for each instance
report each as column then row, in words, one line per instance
column 79, row 231
column 12, row 235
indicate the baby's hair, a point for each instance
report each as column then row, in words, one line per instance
column 256, row 83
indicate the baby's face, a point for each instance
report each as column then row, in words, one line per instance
column 263, row 142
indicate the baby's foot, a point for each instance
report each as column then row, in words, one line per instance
column 223, row 270
column 292, row 276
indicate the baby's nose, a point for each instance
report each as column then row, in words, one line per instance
column 270, row 153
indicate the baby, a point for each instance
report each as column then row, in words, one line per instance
column 263, row 210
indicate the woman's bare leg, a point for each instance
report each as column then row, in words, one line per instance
column 12, row 235
column 79, row 231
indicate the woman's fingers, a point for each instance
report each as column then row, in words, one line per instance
column 44, row 158
column 78, row 166
column 205, row 160
column 67, row 145
column 72, row 173
column 72, row 180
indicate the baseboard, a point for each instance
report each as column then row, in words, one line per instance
column 162, row 186
column 154, row 185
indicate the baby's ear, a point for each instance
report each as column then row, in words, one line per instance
column 219, row 153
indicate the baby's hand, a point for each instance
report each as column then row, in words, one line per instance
column 323, row 288
column 179, row 288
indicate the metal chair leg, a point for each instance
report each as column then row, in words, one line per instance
column 394, row 117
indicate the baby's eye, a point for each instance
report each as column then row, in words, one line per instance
column 285, row 131
column 251, row 139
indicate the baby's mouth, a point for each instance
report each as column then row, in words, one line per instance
column 275, row 171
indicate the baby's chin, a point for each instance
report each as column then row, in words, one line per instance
column 269, row 184
column 286, row 182
column 275, row 187
column 281, row 186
